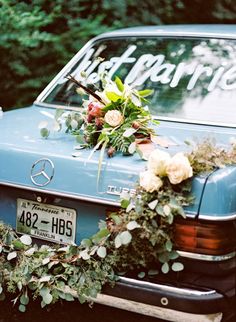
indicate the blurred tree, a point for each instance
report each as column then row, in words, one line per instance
column 38, row 36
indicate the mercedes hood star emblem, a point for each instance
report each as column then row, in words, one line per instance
column 42, row 172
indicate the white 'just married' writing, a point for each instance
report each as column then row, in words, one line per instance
column 156, row 69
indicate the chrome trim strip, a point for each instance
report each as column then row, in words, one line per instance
column 159, row 118
column 97, row 200
column 166, row 288
column 212, row 218
column 63, row 195
column 155, row 311
column 203, row 257
column 160, row 33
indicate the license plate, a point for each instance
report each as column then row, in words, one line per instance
column 44, row 221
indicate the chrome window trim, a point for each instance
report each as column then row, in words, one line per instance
column 97, row 200
column 203, row 257
column 159, row 118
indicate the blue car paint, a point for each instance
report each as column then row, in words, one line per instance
column 76, row 178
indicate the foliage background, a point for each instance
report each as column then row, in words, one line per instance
column 38, row 36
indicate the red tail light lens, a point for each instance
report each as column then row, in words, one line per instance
column 205, row 238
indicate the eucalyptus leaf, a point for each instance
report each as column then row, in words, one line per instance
column 165, row 268
column 44, row 279
column 102, row 251
column 47, row 298
column 166, row 210
column 177, row 267
column 153, row 272
column 118, row 241
column 132, row 225
column 69, row 297
column 11, row 256
column 141, row 275
column 24, row 299
column 168, row 245
column 46, row 260
column 125, row 237
column 152, row 205
column 22, row 308
column 84, row 254
column 26, row 240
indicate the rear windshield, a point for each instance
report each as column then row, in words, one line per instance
column 192, row 79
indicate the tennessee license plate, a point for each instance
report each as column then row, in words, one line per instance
column 44, row 221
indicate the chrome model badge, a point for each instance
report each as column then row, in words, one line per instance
column 42, row 172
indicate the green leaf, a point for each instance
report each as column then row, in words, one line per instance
column 125, row 237
column 112, row 96
column 44, row 132
column 22, row 308
column 173, row 255
column 124, row 203
column 69, row 297
column 18, row 244
column 153, row 272
column 43, row 291
column 146, row 92
column 86, row 243
column 165, row 268
column 119, row 84
column 116, row 218
column 102, row 251
column 177, row 267
column 169, row 245
column 130, row 131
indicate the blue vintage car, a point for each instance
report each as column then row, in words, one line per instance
column 51, row 191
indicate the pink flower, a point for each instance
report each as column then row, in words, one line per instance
column 95, row 109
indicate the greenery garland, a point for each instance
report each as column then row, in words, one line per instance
column 137, row 237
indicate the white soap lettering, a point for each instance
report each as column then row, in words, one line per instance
column 139, row 67
column 216, row 78
column 197, row 73
column 118, row 61
column 229, row 76
column 159, row 60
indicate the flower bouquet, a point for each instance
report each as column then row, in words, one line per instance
column 115, row 119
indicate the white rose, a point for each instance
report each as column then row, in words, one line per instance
column 113, row 118
column 158, row 161
column 179, row 169
column 149, row 181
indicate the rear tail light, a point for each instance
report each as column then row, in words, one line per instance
column 205, row 238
